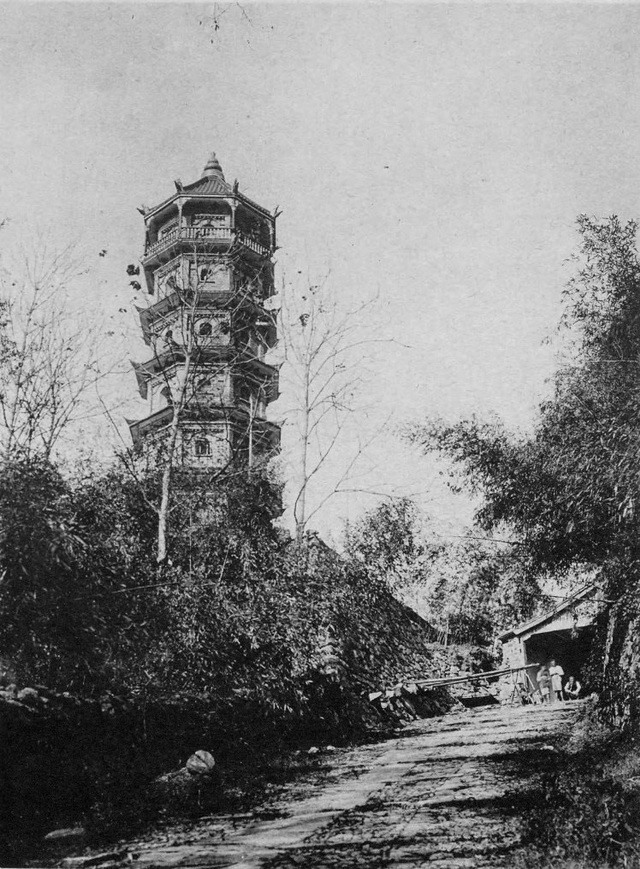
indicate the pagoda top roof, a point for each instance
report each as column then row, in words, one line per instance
column 209, row 186
column 211, row 183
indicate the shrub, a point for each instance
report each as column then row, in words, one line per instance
column 583, row 813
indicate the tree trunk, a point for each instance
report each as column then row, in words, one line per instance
column 167, row 473
column 300, row 510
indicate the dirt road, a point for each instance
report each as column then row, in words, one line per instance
column 440, row 795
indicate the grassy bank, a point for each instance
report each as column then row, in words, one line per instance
column 584, row 812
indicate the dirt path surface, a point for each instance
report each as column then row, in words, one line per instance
column 439, row 795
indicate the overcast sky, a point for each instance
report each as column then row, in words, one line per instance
column 435, row 153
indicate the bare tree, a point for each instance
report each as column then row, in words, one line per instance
column 325, row 354
column 178, row 398
column 192, row 377
column 49, row 355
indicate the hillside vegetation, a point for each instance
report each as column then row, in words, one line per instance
column 246, row 644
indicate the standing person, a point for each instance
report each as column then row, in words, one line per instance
column 572, row 688
column 544, row 681
column 556, row 672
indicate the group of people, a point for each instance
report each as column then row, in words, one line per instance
column 550, row 684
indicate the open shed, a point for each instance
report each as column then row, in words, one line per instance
column 564, row 633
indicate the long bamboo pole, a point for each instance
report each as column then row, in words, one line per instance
column 456, row 680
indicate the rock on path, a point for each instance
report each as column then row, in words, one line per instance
column 436, row 796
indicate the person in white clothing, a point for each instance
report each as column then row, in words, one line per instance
column 556, row 672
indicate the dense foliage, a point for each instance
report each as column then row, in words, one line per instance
column 84, row 607
column 389, row 542
column 239, row 614
column 467, row 588
column 239, row 644
column 584, row 809
column 477, row 588
column 569, row 491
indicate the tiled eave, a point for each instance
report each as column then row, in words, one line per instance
column 139, row 428
column 142, row 427
column 145, row 371
column 237, row 360
column 572, row 601
column 148, row 316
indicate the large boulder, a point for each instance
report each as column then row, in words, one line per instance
column 201, row 763
column 191, row 790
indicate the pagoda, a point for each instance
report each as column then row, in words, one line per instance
column 208, row 264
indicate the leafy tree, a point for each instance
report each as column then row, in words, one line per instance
column 118, row 575
column 42, row 626
column 476, row 588
column 82, row 607
column 390, row 542
column 569, row 491
column 466, row 588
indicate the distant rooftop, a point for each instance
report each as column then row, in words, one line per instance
column 587, row 591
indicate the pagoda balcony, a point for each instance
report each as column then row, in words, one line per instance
column 203, row 236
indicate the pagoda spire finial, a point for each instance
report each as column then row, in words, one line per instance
column 213, row 168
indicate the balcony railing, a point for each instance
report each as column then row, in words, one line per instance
column 205, row 234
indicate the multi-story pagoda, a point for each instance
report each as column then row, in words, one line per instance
column 208, row 265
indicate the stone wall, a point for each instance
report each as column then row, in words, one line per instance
column 617, row 661
column 66, row 760
column 365, row 635
column 513, row 653
column 379, row 646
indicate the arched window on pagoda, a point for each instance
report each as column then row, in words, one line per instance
column 203, row 447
